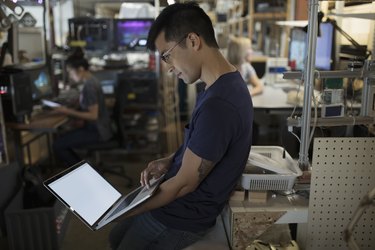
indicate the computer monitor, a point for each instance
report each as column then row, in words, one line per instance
column 297, row 49
column 324, row 59
column 95, row 32
column 26, row 44
column 131, row 34
column 41, row 82
column 325, row 47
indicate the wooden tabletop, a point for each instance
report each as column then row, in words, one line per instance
column 45, row 121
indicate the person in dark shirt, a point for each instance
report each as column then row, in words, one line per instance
column 201, row 175
column 92, row 111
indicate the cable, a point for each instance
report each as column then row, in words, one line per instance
column 299, row 140
column 315, row 119
column 315, row 112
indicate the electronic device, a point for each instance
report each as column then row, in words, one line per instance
column 131, row 34
column 333, row 96
column 50, row 104
column 16, row 95
column 22, row 40
column 92, row 198
column 325, row 47
column 28, row 37
column 269, row 168
column 333, row 103
column 96, row 33
column 324, row 59
column 108, row 81
column 333, row 110
column 138, row 87
column 275, row 67
column 41, row 82
column 297, row 49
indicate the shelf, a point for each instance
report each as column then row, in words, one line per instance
column 269, row 16
column 237, row 20
column 370, row 16
column 334, row 121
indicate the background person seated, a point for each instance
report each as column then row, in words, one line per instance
column 95, row 126
column 239, row 54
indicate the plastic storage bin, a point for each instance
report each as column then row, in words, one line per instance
column 36, row 228
column 270, row 168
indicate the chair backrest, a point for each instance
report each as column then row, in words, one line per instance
column 117, row 113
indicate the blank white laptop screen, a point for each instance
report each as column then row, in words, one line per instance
column 87, row 193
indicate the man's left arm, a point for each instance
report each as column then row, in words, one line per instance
column 193, row 170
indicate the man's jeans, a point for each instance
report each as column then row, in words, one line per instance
column 143, row 232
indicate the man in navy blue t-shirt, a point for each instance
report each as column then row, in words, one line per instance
column 202, row 173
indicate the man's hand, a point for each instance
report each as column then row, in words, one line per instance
column 62, row 110
column 155, row 169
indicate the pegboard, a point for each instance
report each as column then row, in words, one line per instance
column 343, row 172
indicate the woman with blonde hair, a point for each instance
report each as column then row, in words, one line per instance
column 239, row 51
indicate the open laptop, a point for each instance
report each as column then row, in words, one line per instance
column 92, row 198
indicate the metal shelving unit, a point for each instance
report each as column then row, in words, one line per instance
column 309, row 76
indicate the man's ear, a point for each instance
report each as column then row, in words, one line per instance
column 194, row 40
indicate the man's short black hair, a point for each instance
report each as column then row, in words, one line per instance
column 179, row 19
column 77, row 59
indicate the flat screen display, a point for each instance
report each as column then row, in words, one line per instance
column 131, row 34
column 40, row 82
column 297, row 49
column 324, row 48
column 86, row 192
column 97, row 33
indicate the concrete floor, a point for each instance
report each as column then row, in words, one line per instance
column 80, row 237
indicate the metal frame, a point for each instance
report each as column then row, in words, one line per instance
column 309, row 74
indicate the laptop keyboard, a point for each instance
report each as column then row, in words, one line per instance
column 124, row 203
column 121, row 206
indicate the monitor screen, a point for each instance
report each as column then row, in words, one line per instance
column 324, row 48
column 28, row 37
column 131, row 34
column 41, row 82
column 95, row 32
column 297, row 49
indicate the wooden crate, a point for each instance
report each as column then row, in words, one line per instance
column 244, row 226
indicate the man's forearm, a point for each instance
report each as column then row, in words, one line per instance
column 166, row 193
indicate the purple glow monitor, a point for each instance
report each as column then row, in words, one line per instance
column 131, row 34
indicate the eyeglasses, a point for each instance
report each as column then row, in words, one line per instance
column 165, row 56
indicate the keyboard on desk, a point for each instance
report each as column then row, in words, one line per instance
column 67, row 99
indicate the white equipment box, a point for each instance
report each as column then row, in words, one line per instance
column 270, row 168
